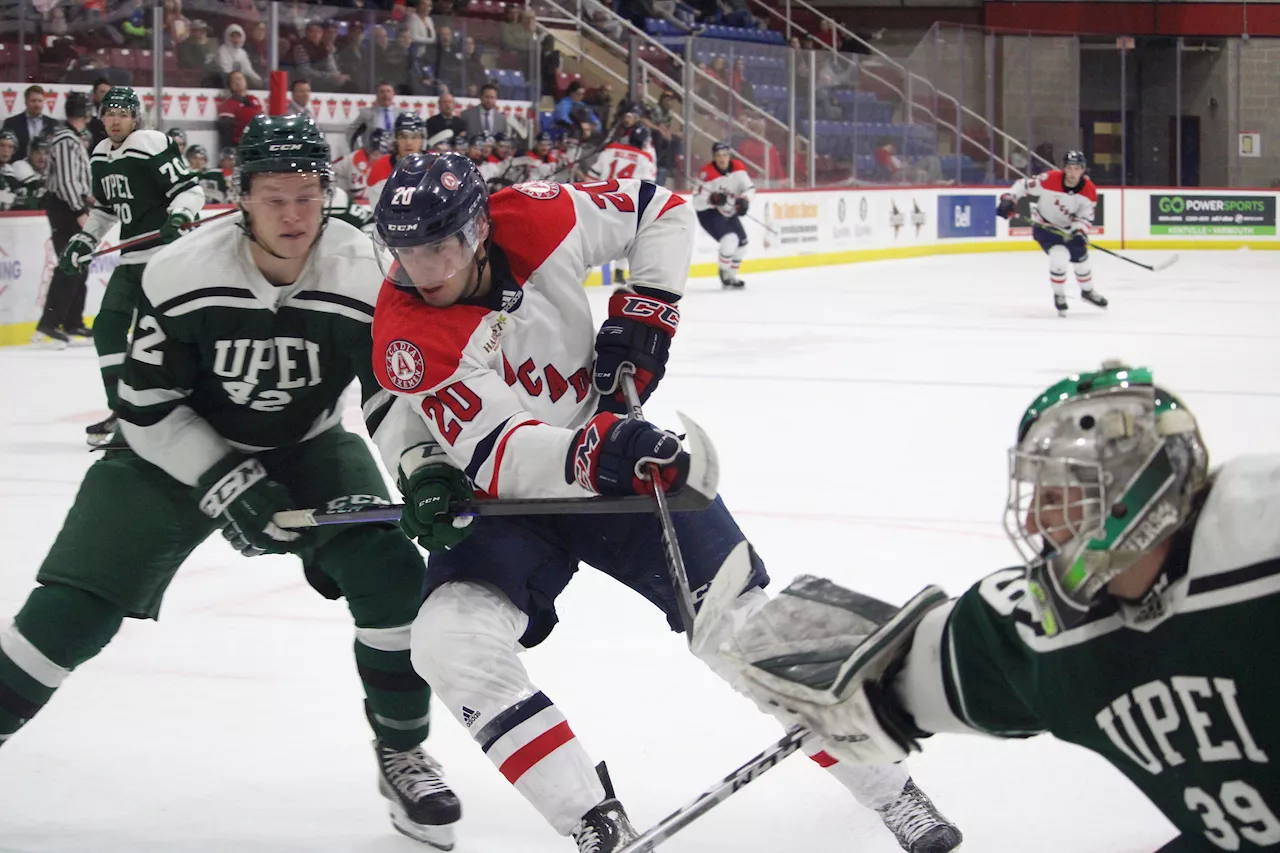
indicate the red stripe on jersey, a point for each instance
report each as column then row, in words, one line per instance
column 497, row 457
column 1052, row 181
column 436, row 335
column 529, row 229
column 708, row 172
column 380, row 170
column 823, row 759
column 524, row 758
column 673, row 201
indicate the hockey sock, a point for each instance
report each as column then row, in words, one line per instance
column 111, row 340
column 58, row 629
column 1084, row 274
column 736, row 261
column 1058, row 259
column 728, row 246
column 398, row 700
column 872, row 785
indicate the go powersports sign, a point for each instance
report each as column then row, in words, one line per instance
column 1213, row 215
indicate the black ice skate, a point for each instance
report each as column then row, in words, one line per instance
column 422, row 805
column 619, row 277
column 49, row 338
column 731, row 282
column 81, row 336
column 606, row 827
column 96, row 435
column 1060, row 302
column 917, row 824
column 1094, row 297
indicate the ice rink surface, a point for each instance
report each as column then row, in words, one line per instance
column 862, row 415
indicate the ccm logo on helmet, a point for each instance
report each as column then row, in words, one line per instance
column 285, row 146
column 410, row 227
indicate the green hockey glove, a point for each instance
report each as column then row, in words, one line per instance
column 239, row 495
column 173, row 226
column 75, row 258
column 428, row 495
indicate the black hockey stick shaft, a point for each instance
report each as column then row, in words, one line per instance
column 154, row 235
column 1104, row 250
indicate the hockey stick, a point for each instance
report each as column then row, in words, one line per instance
column 1157, row 267
column 766, row 226
column 151, row 235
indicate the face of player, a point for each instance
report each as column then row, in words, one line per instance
column 1073, row 174
column 503, row 150
column 722, row 159
column 39, row 159
column 408, row 143
column 286, row 212
column 6, row 151
column 119, row 124
column 542, row 147
column 197, row 162
column 446, row 271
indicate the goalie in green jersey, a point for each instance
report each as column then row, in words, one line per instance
column 141, row 181
column 1149, row 586
column 249, row 332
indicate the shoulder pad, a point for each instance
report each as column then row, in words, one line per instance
column 149, row 142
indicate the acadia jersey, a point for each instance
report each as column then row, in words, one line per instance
column 618, row 161
column 502, row 383
column 223, row 359
column 138, row 184
column 376, row 179
column 1053, row 204
column 734, row 182
column 1180, row 691
column 351, row 173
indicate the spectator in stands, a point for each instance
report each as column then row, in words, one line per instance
column 549, row 64
column 736, row 13
column 422, row 30
column 449, row 63
column 764, row 162
column 198, row 51
column 246, row 11
column 177, row 26
column 739, row 82
column 97, row 130
column 300, row 97
column 447, row 118
column 443, row 14
column 134, row 25
column 353, row 59
column 293, row 19
column 231, row 56
column 30, row 124
column 485, row 117
column 398, row 62
column 667, row 11
column 512, row 35
column 380, row 115
column 258, row 46
column 315, row 60
column 572, row 99
column 600, row 100
column 474, row 74
column 667, row 143
column 236, row 110
column 54, row 22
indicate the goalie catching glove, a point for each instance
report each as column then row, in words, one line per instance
column 238, row 493
column 822, row 655
column 638, row 334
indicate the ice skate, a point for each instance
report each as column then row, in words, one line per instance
column 100, row 433
column 422, row 805
column 1094, row 297
column 1060, row 302
column 917, row 824
column 81, row 336
column 731, row 282
column 619, row 276
column 604, row 829
column 47, row 338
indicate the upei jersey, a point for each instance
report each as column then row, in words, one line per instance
column 734, row 182
column 1053, row 204
column 341, row 206
column 10, row 186
column 501, row 384
column 139, row 184
column 351, row 173
column 223, row 359
column 214, row 184
column 30, row 189
column 618, row 161
column 1180, row 691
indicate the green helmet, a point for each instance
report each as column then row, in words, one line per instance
column 290, row 143
column 122, row 98
column 1106, row 467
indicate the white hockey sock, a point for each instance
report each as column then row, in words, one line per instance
column 464, row 644
column 1059, row 283
column 1084, row 275
column 1058, row 260
column 736, row 261
column 872, row 785
column 728, row 248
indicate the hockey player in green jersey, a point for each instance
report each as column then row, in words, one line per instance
column 249, row 331
column 29, row 174
column 212, row 181
column 141, row 181
column 1122, row 632
column 9, row 183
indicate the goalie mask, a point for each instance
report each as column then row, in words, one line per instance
column 1104, row 470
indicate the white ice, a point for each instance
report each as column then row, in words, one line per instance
column 862, row 414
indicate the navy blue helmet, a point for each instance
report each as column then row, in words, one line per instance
column 717, row 147
column 377, row 141
column 429, row 220
column 1075, row 158
column 640, row 136
column 410, row 122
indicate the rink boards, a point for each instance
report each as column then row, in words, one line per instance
column 789, row 229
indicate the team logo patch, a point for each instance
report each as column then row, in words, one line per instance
column 405, row 365
column 539, row 189
column 450, row 181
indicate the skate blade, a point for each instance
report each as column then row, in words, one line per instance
column 440, row 837
column 43, row 342
column 81, row 342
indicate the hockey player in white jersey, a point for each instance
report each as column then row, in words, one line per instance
column 1148, row 586
column 484, row 326
column 629, row 157
column 1062, row 207
column 351, row 171
column 722, row 198
column 410, row 137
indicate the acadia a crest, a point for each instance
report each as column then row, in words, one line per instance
column 405, row 365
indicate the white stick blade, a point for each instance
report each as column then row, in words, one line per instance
column 1166, row 263
column 704, row 464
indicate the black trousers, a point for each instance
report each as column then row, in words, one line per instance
column 64, row 303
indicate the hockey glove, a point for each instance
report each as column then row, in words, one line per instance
column 173, row 226
column 1078, row 230
column 75, row 258
column 238, row 493
column 1007, row 207
column 719, row 199
column 741, row 205
column 428, row 494
column 637, row 333
column 611, row 455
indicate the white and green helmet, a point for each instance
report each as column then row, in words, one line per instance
column 1105, row 468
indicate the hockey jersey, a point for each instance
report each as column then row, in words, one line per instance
column 379, row 170
column 501, row 384
column 619, row 160
column 734, row 183
column 1177, row 691
column 351, row 173
column 1053, row 204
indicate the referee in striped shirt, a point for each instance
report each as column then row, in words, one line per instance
column 70, row 194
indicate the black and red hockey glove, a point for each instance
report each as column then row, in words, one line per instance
column 638, row 332
column 719, row 198
column 1007, row 207
column 741, row 205
column 610, row 454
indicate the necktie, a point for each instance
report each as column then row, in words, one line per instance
column 386, row 118
column 488, row 123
